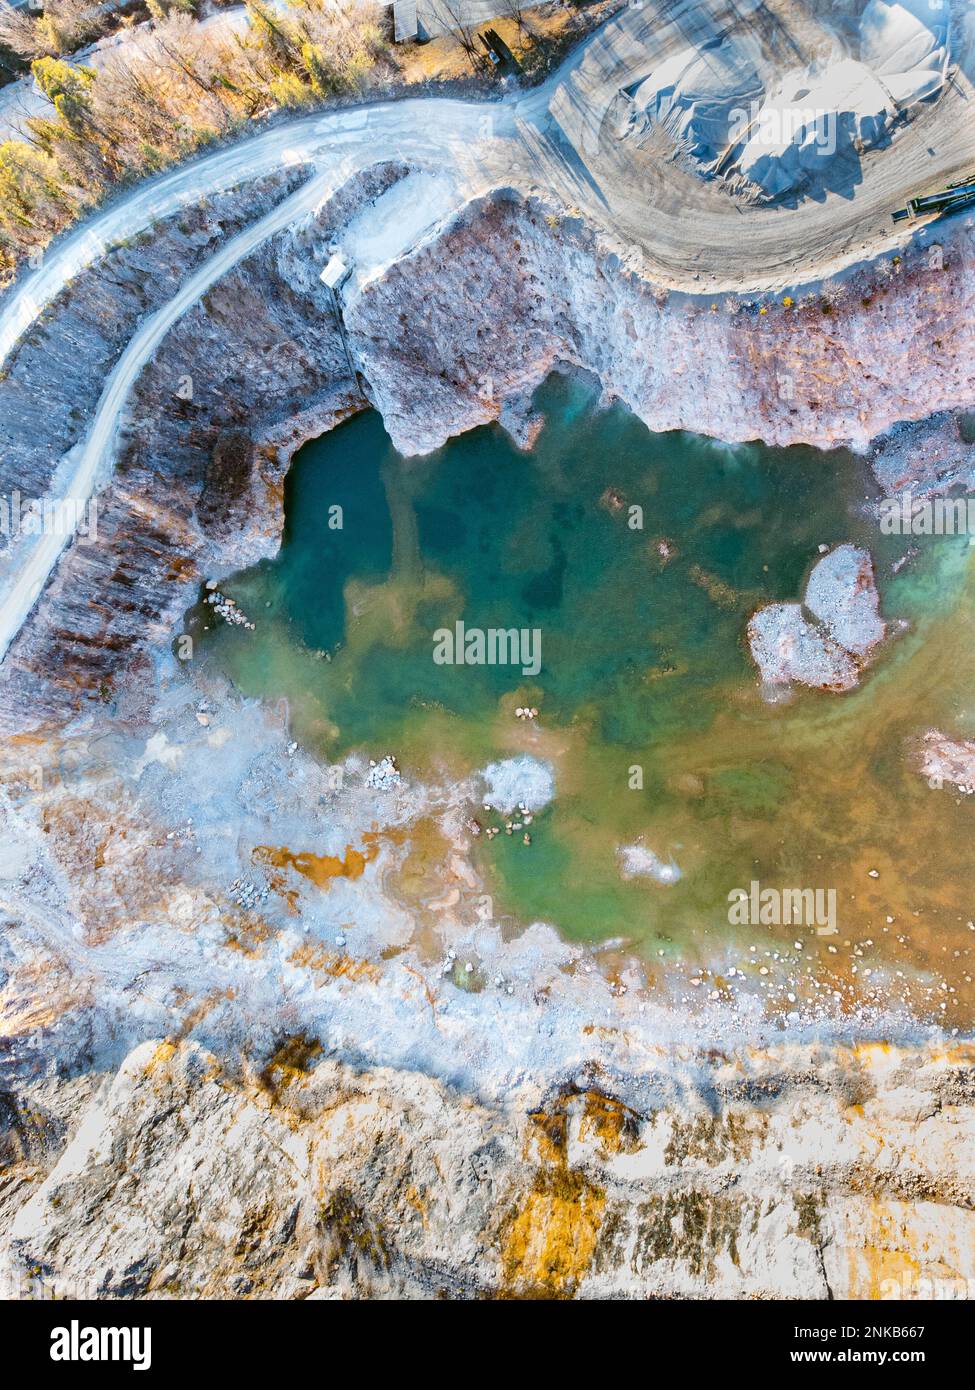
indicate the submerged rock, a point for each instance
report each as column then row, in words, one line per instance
column 639, row 861
column 944, row 760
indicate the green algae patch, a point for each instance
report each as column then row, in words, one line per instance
column 357, row 1236
column 693, row 1227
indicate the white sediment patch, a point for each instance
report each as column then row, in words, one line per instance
column 518, row 782
column 395, row 222
column 639, row 861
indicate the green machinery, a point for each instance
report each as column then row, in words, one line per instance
column 956, row 195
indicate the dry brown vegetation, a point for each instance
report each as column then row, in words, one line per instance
column 64, row 27
column 170, row 89
column 177, row 85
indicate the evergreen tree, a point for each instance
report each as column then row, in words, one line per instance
column 320, row 74
column 274, row 34
column 68, row 88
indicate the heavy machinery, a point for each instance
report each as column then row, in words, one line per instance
column 956, row 195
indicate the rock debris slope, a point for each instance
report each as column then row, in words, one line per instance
column 311, row 1180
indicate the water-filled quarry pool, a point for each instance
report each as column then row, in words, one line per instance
column 637, row 560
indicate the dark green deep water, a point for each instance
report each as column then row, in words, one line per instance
column 644, row 664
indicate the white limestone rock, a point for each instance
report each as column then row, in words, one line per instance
column 828, row 648
column 787, row 649
column 842, row 594
column 948, row 761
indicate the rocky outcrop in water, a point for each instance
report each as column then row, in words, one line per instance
column 926, row 458
column 829, row 648
column 947, row 762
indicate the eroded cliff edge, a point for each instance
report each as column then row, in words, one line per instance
column 804, row 1172
column 457, row 331
column 810, row 1174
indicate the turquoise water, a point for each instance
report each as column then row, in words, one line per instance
column 644, row 664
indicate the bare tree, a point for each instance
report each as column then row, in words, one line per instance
column 19, row 31
column 515, row 10
column 453, row 15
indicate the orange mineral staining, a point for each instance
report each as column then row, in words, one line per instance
column 319, row 868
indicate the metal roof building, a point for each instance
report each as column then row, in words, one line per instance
column 335, row 272
column 405, row 25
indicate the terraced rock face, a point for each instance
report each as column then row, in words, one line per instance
column 183, row 1178
column 458, row 332
column 259, row 360
column 189, row 1173
column 477, row 318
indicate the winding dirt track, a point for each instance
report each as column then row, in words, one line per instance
column 689, row 234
